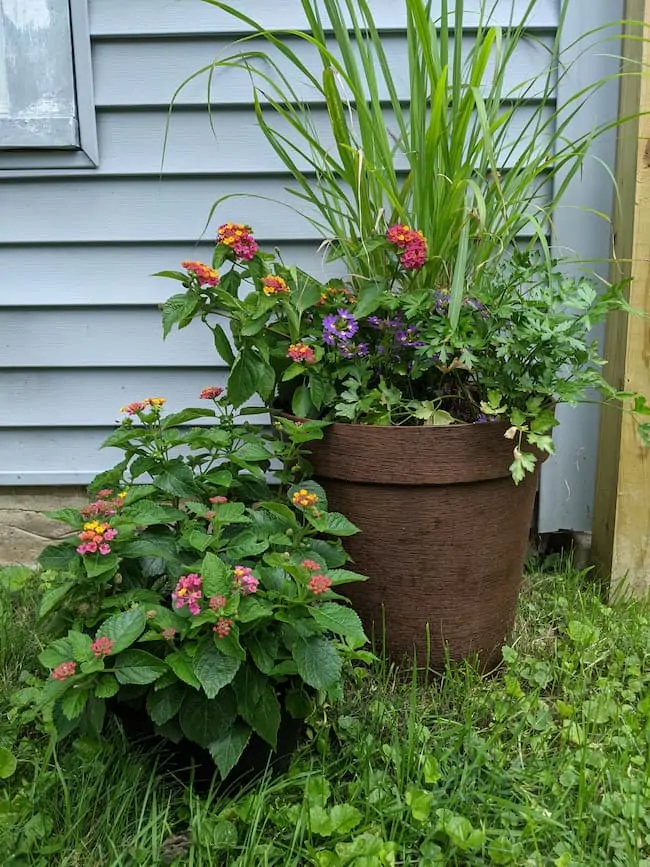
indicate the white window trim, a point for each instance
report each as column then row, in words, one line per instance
column 87, row 154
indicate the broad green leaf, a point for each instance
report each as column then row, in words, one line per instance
column 213, row 669
column 71, row 517
column 318, row 661
column 185, row 415
column 138, row 667
column 344, row 576
column 181, row 665
column 73, row 703
column 344, row 818
column 230, row 513
column 263, row 647
column 53, row 597
column 145, row 513
column 178, row 481
column 334, row 523
column 123, row 629
column 251, row 608
column 340, row 620
column 204, row 720
column 177, row 308
column 107, row 687
column 257, row 703
column 80, row 644
column 58, row 557
column 55, row 653
column 217, row 577
column 419, row 802
column 227, row 748
column 222, row 344
column 250, row 375
column 99, row 564
column 246, row 544
column 301, row 403
column 369, row 299
column 164, row 704
column 8, row 763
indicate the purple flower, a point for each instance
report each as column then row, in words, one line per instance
column 374, row 321
column 409, row 337
column 481, row 418
column 362, row 350
column 339, row 326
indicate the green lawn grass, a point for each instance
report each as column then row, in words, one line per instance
column 544, row 763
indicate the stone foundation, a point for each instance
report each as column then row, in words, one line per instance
column 24, row 529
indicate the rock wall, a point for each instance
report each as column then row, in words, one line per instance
column 24, row 528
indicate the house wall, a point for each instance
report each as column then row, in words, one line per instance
column 79, row 320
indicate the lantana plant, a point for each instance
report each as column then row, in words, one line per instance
column 200, row 584
column 385, row 352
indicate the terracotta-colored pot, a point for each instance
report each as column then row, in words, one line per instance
column 444, row 532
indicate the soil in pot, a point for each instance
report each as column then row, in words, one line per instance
column 444, row 534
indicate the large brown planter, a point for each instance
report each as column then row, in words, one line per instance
column 444, row 532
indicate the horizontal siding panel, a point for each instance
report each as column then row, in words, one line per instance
column 173, row 17
column 145, row 210
column 112, row 338
column 102, row 275
column 133, row 143
column 148, row 72
column 54, row 457
column 78, row 398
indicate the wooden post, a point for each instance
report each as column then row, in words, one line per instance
column 621, row 527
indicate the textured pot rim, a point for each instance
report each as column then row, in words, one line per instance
column 414, row 454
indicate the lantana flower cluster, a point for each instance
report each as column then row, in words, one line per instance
column 95, row 538
column 239, row 238
column 205, row 275
column 106, row 505
column 412, row 246
column 149, row 403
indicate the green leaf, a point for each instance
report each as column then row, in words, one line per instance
column 222, row 344
column 318, row 661
column 230, row 513
column 419, row 803
column 53, row 597
column 246, row 544
column 263, row 647
column 344, row 818
column 58, row 557
column 257, row 703
column 301, row 404
column 80, row 644
column 340, row 620
column 71, row 517
column 107, row 687
column 139, row 667
column 145, row 513
column 431, row 770
column 250, row 375
column 123, row 629
column 281, row 511
column 181, row 665
column 99, row 564
column 185, row 415
column 177, row 308
column 213, row 669
column 368, row 299
column 251, row 609
column 204, row 720
column 164, row 704
column 217, row 577
column 344, row 576
column 8, row 763
column 178, row 481
column 227, row 748
column 73, row 703
column 334, row 523
column 55, row 653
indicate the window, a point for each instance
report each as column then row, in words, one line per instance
column 47, row 115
